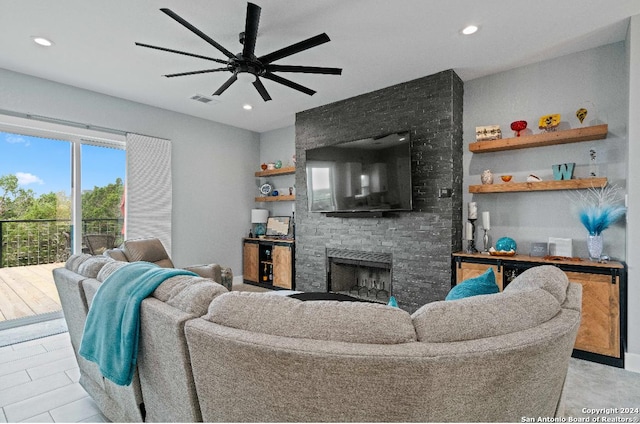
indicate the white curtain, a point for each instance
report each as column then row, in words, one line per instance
column 148, row 189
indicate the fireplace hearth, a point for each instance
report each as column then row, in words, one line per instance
column 365, row 275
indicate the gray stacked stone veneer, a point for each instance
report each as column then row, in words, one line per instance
column 421, row 241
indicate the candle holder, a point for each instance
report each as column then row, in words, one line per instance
column 471, row 242
column 485, row 241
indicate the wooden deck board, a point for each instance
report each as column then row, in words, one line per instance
column 27, row 291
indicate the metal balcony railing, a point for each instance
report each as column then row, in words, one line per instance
column 44, row 241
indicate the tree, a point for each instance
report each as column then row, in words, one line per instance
column 15, row 201
column 103, row 202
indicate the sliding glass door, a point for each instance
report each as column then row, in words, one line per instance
column 60, row 193
column 102, row 175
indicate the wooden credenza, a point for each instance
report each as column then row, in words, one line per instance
column 602, row 334
column 268, row 263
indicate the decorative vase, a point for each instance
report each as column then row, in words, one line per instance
column 486, row 177
column 518, row 126
column 594, row 246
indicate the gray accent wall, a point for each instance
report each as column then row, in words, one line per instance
column 421, row 241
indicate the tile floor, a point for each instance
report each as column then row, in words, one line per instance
column 39, row 383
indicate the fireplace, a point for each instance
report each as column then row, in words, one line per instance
column 365, row 275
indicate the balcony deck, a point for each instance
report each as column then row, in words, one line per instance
column 27, row 291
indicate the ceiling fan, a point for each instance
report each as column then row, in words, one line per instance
column 246, row 62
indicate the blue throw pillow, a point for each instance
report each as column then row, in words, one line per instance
column 482, row 284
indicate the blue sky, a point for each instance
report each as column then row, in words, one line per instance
column 44, row 165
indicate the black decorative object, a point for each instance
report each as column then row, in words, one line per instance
column 471, row 238
column 246, row 62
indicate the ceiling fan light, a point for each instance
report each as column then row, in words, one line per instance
column 42, row 41
column 247, row 107
column 471, row 29
column 246, row 77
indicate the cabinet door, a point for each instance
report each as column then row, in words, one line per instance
column 250, row 262
column 600, row 326
column 466, row 270
column 282, row 267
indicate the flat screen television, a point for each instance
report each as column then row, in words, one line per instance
column 369, row 175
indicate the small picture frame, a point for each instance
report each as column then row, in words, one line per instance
column 561, row 247
column 278, row 226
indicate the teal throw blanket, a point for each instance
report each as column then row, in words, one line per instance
column 110, row 337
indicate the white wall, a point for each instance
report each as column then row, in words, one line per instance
column 213, row 183
column 276, row 145
column 594, row 79
column 633, row 225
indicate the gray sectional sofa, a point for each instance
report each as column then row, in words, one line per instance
column 210, row 355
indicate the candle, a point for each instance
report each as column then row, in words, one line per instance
column 485, row 220
column 473, row 210
column 469, row 231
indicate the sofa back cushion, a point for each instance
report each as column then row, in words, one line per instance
column 108, row 269
column 117, row 254
column 189, row 294
column 148, row 250
column 354, row 322
column 546, row 277
column 74, row 261
column 92, row 266
column 484, row 316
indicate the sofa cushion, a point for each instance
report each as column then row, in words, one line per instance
column 117, row 254
column 482, row 284
column 75, row 261
column 149, row 250
column 484, row 316
column 108, row 269
column 354, row 322
column 546, row 277
column 193, row 294
column 92, row 266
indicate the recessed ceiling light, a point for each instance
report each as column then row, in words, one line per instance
column 42, row 41
column 469, row 30
column 247, row 107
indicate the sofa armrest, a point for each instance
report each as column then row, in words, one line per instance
column 213, row 271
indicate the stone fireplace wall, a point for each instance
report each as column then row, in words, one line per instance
column 420, row 241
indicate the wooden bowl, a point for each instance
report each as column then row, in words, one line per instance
column 506, row 178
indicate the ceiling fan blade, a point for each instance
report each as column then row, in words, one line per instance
column 263, row 91
column 225, row 85
column 251, row 30
column 289, row 83
column 204, row 71
column 304, row 69
column 197, row 32
column 164, row 49
column 295, row 48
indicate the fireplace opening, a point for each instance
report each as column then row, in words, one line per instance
column 364, row 275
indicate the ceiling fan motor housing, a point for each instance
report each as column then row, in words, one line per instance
column 241, row 64
column 246, row 62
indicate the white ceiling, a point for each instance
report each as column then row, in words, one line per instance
column 378, row 43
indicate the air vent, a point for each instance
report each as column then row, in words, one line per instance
column 204, row 99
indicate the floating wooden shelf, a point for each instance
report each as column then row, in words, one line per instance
column 596, row 132
column 575, row 184
column 276, row 198
column 272, row 172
